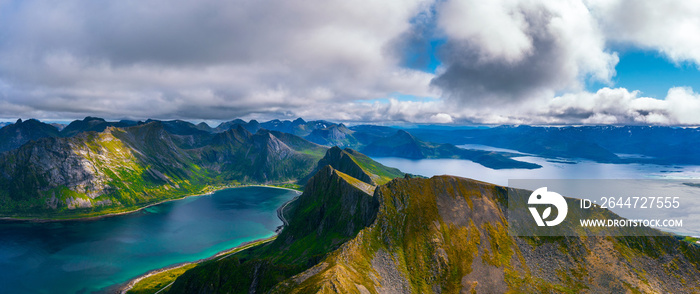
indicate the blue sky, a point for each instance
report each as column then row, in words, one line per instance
column 403, row 61
column 652, row 73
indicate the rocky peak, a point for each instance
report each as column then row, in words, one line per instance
column 15, row 135
column 342, row 160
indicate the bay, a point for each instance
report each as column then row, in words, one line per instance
column 85, row 256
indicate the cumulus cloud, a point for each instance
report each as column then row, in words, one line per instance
column 199, row 59
column 617, row 106
column 670, row 27
column 503, row 61
column 508, row 51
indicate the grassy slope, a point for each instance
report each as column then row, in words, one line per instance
column 333, row 208
column 456, row 239
column 124, row 169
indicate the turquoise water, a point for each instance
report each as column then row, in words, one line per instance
column 91, row 255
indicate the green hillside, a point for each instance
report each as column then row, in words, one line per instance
column 120, row 169
column 439, row 235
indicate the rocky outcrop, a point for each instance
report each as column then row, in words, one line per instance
column 342, row 160
column 332, row 209
column 448, row 234
column 15, row 135
column 128, row 167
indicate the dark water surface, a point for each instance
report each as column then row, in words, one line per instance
column 91, row 255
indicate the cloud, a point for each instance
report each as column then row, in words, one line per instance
column 502, row 61
column 620, row 106
column 199, row 59
column 504, row 51
column 617, row 106
column 670, row 27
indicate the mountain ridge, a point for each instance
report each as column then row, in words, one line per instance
column 124, row 168
column 449, row 234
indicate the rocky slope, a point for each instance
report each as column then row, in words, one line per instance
column 449, row 234
column 15, row 135
column 121, row 168
column 334, row 135
column 332, row 209
column 439, row 235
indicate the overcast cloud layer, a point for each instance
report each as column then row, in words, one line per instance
column 503, row 61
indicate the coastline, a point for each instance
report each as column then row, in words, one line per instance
column 125, row 287
column 95, row 217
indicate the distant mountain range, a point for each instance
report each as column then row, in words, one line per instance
column 439, row 235
column 359, row 226
column 93, row 166
column 372, row 140
column 606, row 144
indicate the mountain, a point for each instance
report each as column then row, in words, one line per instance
column 92, row 124
column 403, row 144
column 297, row 127
column 437, row 235
column 670, row 145
column 266, row 156
column 456, row 240
column 334, row 135
column 367, row 134
column 333, row 209
column 358, row 166
column 15, row 135
column 125, row 168
column 252, row 126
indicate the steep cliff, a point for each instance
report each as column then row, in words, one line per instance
column 359, row 166
column 122, row 168
column 15, row 135
column 449, row 234
column 332, row 209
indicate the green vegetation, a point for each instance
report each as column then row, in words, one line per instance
column 123, row 169
column 163, row 280
column 159, row 281
column 442, row 234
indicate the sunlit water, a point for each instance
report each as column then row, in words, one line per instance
column 91, row 255
column 580, row 169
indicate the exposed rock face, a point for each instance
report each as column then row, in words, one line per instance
column 334, row 135
column 57, row 163
column 15, row 135
column 342, row 160
column 448, row 234
column 141, row 164
column 331, row 210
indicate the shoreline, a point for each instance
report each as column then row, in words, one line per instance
column 89, row 218
column 125, row 287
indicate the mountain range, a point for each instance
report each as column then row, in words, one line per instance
column 371, row 140
column 604, row 144
column 124, row 168
column 358, row 227
column 440, row 235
